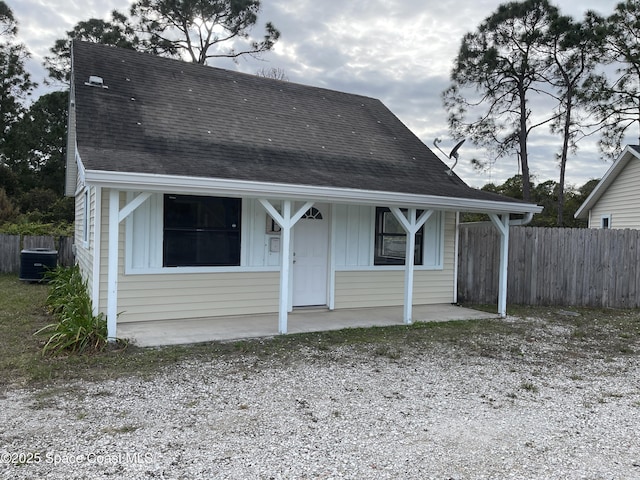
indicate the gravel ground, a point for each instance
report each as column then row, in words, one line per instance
column 437, row 412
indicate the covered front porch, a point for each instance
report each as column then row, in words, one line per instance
column 184, row 331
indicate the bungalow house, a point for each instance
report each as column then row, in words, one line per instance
column 614, row 202
column 202, row 192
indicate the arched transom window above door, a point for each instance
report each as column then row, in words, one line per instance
column 312, row 214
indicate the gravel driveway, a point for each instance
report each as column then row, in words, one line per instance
column 356, row 412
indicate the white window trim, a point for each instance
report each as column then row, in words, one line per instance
column 245, row 238
column 86, row 213
column 606, row 217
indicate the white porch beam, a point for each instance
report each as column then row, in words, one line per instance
column 502, row 224
column 411, row 225
column 115, row 217
column 286, row 220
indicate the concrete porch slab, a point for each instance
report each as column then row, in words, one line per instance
column 194, row 330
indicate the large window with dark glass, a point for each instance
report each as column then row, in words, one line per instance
column 391, row 240
column 201, row 231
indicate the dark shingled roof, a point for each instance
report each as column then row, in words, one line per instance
column 164, row 116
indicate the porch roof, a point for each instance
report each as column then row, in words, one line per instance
column 166, row 124
column 249, row 189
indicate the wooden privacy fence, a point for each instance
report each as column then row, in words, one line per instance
column 551, row 266
column 12, row 245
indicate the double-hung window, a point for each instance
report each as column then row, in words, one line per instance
column 201, row 231
column 391, row 240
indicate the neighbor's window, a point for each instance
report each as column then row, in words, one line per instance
column 391, row 240
column 201, row 231
column 605, row 221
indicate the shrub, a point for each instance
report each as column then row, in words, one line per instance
column 76, row 329
column 24, row 226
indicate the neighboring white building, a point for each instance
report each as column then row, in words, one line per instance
column 615, row 201
column 202, row 192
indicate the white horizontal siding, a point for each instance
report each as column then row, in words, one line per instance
column 621, row 200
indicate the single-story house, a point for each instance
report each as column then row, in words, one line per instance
column 202, row 192
column 614, row 202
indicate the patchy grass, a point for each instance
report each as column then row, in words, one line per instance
column 551, row 333
column 529, row 387
column 22, row 312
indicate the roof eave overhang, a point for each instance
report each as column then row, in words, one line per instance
column 606, row 180
column 253, row 189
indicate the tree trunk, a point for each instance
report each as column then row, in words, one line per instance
column 522, row 137
column 563, row 157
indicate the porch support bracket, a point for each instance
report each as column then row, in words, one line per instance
column 501, row 222
column 411, row 225
column 286, row 220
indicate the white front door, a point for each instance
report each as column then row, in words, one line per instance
column 310, row 257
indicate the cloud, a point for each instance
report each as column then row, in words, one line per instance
column 400, row 51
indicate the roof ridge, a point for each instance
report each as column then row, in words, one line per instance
column 198, row 66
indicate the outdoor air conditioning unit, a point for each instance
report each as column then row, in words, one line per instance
column 35, row 262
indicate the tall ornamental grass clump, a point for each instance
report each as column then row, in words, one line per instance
column 76, row 329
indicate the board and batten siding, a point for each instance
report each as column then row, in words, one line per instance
column 620, row 200
column 154, row 296
column 353, row 235
column 385, row 287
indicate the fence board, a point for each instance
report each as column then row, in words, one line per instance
column 12, row 245
column 9, row 253
column 41, row 241
column 552, row 266
column 65, row 251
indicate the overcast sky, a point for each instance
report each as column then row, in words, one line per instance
column 400, row 51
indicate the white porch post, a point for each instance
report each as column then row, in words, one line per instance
column 285, row 246
column 411, row 225
column 286, row 221
column 502, row 224
column 115, row 217
column 97, row 235
column 112, row 264
column 456, row 247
